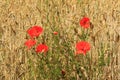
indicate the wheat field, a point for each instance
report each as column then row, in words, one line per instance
column 100, row 63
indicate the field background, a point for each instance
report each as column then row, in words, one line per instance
column 102, row 62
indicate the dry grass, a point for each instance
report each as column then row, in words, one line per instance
column 16, row 63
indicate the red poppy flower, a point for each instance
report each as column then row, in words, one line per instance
column 63, row 72
column 85, row 22
column 55, row 33
column 42, row 48
column 82, row 47
column 35, row 31
column 29, row 43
